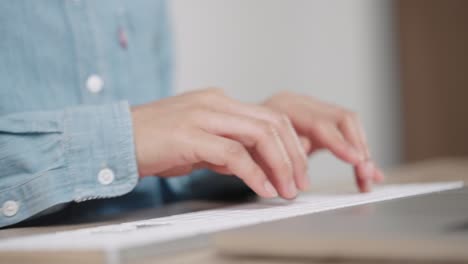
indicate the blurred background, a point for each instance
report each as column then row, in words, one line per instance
column 402, row 65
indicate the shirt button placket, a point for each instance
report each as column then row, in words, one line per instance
column 90, row 71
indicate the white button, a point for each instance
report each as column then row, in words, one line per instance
column 106, row 176
column 94, row 83
column 10, row 208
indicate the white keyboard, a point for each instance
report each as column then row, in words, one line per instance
column 112, row 238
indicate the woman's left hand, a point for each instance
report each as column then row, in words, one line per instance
column 322, row 125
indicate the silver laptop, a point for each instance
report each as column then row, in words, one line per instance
column 427, row 227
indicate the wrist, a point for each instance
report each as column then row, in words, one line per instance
column 135, row 113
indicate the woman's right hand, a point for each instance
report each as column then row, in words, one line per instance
column 206, row 129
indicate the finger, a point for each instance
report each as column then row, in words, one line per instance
column 328, row 113
column 285, row 131
column 268, row 171
column 353, row 132
column 224, row 152
column 348, row 126
column 379, row 176
column 298, row 154
column 362, row 172
column 360, row 181
column 306, row 145
column 260, row 136
column 370, row 172
column 363, row 137
column 328, row 136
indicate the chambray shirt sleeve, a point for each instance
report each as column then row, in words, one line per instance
column 49, row 158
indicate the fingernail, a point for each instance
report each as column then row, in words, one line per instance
column 292, row 190
column 270, row 189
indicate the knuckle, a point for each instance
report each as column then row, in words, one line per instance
column 196, row 112
column 283, row 120
column 347, row 115
column 214, row 90
column 197, row 98
column 284, row 93
column 210, row 96
column 234, row 150
column 351, row 114
column 319, row 127
column 278, row 120
column 269, row 131
column 264, row 129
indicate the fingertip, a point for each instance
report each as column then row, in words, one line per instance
column 363, row 173
column 366, row 188
column 379, row 176
column 292, row 190
column 270, row 190
column 362, row 185
column 289, row 191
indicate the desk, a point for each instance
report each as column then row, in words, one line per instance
column 433, row 170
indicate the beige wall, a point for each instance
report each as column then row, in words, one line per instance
column 340, row 51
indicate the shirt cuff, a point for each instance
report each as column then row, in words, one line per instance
column 83, row 153
column 100, row 151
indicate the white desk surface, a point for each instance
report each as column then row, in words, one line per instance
column 435, row 170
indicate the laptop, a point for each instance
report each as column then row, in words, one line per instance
column 428, row 227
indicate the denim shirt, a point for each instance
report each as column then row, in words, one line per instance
column 69, row 71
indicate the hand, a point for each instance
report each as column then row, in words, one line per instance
column 206, row 129
column 325, row 126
